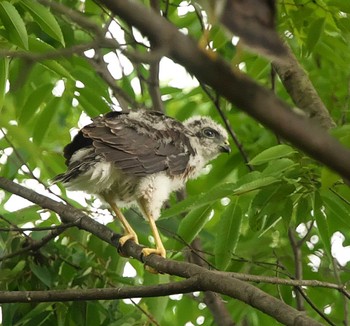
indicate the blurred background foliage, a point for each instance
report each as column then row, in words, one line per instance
column 249, row 220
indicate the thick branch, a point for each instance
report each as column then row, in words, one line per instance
column 237, row 88
column 207, row 280
column 301, row 90
column 217, row 282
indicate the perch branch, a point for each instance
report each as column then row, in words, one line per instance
column 206, row 280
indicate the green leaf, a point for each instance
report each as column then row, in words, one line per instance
column 35, row 99
column 42, row 273
column 341, row 5
column 43, row 122
column 94, row 100
column 4, row 65
column 19, row 267
column 328, row 178
column 223, row 190
column 45, row 19
column 322, row 224
column 255, row 185
column 228, row 234
column 13, row 24
column 335, row 206
column 273, row 153
column 192, row 224
column 279, row 168
column 93, row 314
column 39, row 46
column 314, row 33
column 269, row 205
column 303, row 210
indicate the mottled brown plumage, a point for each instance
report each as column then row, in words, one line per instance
column 140, row 158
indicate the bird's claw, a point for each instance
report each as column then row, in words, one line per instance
column 123, row 240
column 149, row 251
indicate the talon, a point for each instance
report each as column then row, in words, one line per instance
column 123, row 240
column 149, row 251
column 127, row 237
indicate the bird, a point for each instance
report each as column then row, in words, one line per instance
column 138, row 158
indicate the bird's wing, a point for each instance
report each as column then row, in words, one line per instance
column 141, row 143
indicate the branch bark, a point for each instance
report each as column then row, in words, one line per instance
column 124, row 292
column 206, row 280
column 301, row 90
column 237, row 88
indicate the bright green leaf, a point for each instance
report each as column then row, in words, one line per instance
column 273, row 153
column 254, row 182
column 19, row 266
column 14, row 24
column 255, row 185
column 228, row 234
column 192, row 224
column 45, row 19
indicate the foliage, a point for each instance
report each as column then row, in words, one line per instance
column 250, row 221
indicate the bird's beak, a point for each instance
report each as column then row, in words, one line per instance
column 225, row 148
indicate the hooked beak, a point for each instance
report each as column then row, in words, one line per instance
column 225, row 148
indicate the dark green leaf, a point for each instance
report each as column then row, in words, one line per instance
column 42, row 273
column 341, row 5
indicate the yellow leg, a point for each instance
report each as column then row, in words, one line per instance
column 129, row 232
column 159, row 250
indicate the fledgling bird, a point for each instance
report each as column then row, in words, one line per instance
column 140, row 157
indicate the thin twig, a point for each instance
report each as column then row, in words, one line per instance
column 298, row 268
column 34, row 245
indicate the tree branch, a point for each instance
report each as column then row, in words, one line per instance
column 301, row 90
column 153, row 80
column 124, row 292
column 206, row 280
column 237, row 88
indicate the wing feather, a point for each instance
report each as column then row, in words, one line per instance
column 138, row 143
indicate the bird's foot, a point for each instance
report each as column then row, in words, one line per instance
column 124, row 239
column 149, row 251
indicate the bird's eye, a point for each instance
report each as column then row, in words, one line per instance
column 208, row 132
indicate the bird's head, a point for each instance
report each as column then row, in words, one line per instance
column 211, row 137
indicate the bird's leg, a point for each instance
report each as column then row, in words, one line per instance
column 130, row 234
column 159, row 250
